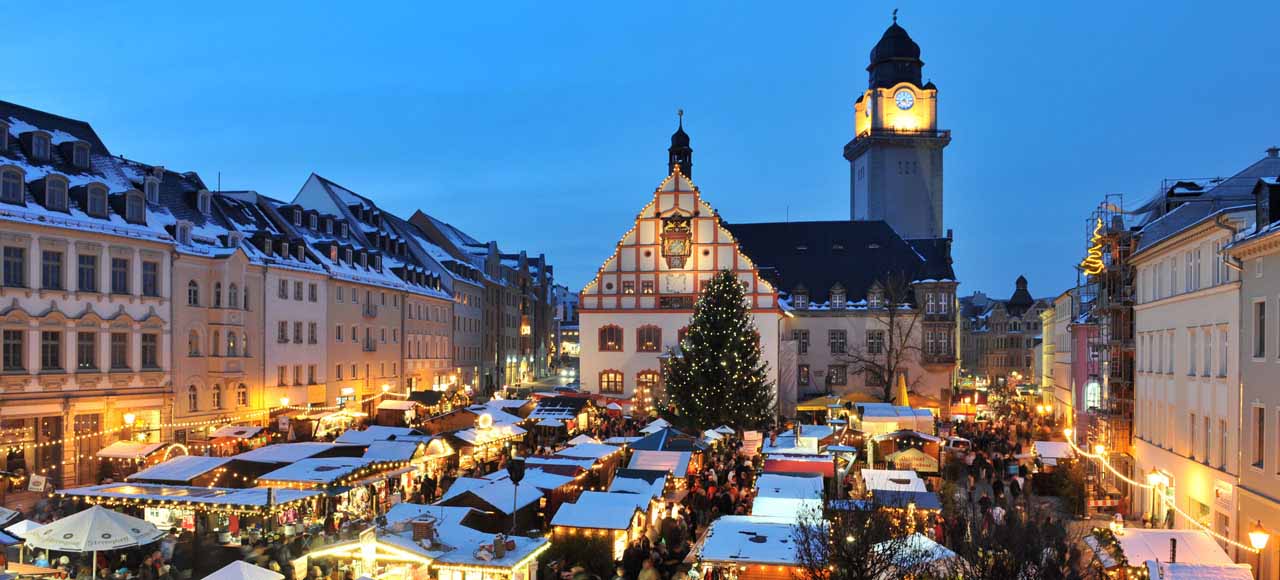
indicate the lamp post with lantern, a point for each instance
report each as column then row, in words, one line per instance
column 1258, row 538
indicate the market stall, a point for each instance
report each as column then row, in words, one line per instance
column 906, row 449
column 788, row 495
column 876, row 480
column 619, row 517
column 185, row 470
column 484, row 443
column 674, row 463
column 1124, row 552
column 125, row 457
column 748, row 548
column 396, row 413
column 358, row 487
column 232, row 439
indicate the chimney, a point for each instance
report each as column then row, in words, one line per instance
column 1273, row 151
column 423, row 530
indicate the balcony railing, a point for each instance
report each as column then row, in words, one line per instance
column 369, row 311
column 370, row 345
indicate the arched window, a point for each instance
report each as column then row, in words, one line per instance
column 648, row 338
column 193, row 344
column 193, row 293
column 217, row 396
column 233, row 296
column 244, row 344
column 610, row 338
column 611, row 382
column 193, row 398
column 217, row 295
column 646, row 384
column 233, row 348
column 242, row 395
column 246, row 298
column 215, row 346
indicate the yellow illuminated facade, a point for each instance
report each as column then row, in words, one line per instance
column 903, row 107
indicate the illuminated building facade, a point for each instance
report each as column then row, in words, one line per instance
column 999, row 335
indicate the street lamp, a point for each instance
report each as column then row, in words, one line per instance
column 130, row 419
column 284, row 401
column 1258, row 537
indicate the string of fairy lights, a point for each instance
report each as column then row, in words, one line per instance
column 1101, row 458
column 12, row 448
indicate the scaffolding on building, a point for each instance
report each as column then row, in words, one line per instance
column 1107, row 298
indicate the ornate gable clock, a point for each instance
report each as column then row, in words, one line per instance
column 677, row 243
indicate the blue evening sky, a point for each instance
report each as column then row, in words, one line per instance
column 544, row 125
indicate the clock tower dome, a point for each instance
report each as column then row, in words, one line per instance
column 895, row 157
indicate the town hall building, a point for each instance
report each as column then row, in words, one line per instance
column 819, row 290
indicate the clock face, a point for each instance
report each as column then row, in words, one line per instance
column 905, row 99
column 677, row 247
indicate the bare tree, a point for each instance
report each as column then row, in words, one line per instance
column 1029, row 543
column 893, row 341
column 859, row 544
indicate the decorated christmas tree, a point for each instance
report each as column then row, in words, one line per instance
column 718, row 378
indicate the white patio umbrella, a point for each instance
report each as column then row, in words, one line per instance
column 21, row 529
column 241, row 570
column 94, row 530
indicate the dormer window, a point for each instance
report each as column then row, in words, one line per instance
column 838, row 296
column 151, row 185
column 342, row 230
column 837, row 247
column 204, row 201
column 11, row 185
column 801, row 301
column 875, row 299
column 266, row 246
column 297, row 217
column 80, row 154
column 55, row 193
column 4, row 136
column 234, row 239
column 96, row 202
column 333, row 253
column 377, row 263
column 183, row 232
column 346, row 255
column 300, row 252
column 328, row 226
column 135, row 208
column 364, row 260
column 40, row 146
column 313, row 222
column 284, row 249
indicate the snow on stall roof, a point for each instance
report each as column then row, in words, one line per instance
column 392, row 450
column 750, row 540
column 892, row 480
column 129, row 450
column 457, row 543
column 1157, row 570
column 790, row 486
column 583, row 438
column 1140, row 545
column 622, row 484
column 477, row 436
column 255, row 496
column 285, row 452
column 1054, row 449
column 498, row 494
column 374, row 433
column 538, row 478
column 584, row 464
column 601, row 510
column 236, row 432
column 406, row 512
column 180, row 469
column 620, row 440
column 594, row 451
column 673, row 462
column 397, row 405
column 317, row 470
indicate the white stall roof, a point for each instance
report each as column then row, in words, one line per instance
column 374, row 433
column 213, row 496
column 588, row 451
column 392, row 450
column 892, row 480
column 236, row 432
column 180, row 469
column 397, row 405
column 600, row 510
column 790, row 486
column 498, row 494
column 620, row 441
column 318, row 470
column 674, row 462
column 585, row 464
column 583, row 438
column 1140, row 545
column 1166, row 571
column 285, row 452
column 129, row 450
column 1051, row 451
column 750, row 540
column 638, row 485
column 655, row 426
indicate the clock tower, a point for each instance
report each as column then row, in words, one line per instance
column 895, row 157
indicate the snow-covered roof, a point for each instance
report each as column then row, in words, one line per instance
column 915, row 549
column 285, row 452
column 180, row 469
column 750, row 540
column 655, row 426
column 212, row 496
column 497, row 494
column 673, row 462
column 129, row 450
column 583, row 438
column 620, row 440
column 481, row 436
column 1051, row 451
column 892, row 480
column 791, row 486
column 638, row 485
column 237, row 432
column 601, row 510
column 583, row 464
column 538, row 478
column 1140, row 545
column 397, row 405
column 1157, row 570
column 374, row 433
column 392, row 450
column 596, row 451
column 324, row 470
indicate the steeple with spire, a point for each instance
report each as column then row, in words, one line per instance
column 680, row 153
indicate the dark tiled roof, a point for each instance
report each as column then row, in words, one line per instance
column 852, row 253
column 1234, row 191
column 50, row 122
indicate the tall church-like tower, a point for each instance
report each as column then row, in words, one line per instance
column 895, row 157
